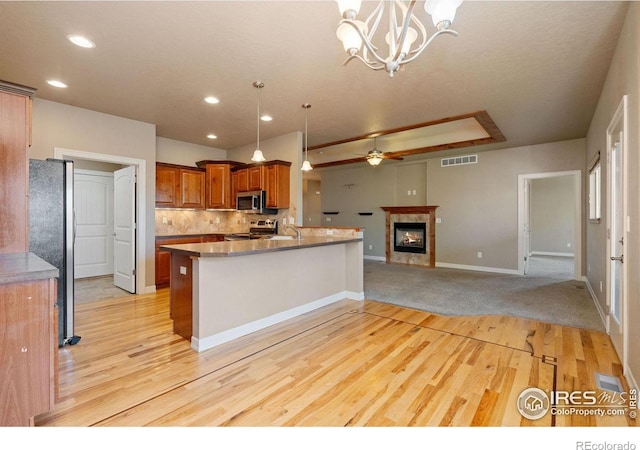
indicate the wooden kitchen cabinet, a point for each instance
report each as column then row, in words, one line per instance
column 15, row 138
column 256, row 178
column 163, row 257
column 29, row 337
column 179, row 186
column 218, row 183
column 277, row 184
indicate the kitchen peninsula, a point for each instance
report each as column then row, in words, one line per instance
column 224, row 290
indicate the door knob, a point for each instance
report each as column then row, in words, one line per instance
column 618, row 258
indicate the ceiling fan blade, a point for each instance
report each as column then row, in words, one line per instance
column 391, row 156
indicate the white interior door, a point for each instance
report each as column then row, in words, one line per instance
column 617, row 227
column 124, row 235
column 527, row 225
column 616, row 248
column 93, row 200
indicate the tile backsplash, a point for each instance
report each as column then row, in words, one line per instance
column 171, row 222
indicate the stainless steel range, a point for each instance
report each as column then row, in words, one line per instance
column 259, row 229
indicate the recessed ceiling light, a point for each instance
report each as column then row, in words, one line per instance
column 56, row 83
column 81, row 41
column 266, row 118
column 212, row 136
column 212, row 100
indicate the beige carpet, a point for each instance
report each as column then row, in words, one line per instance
column 547, row 294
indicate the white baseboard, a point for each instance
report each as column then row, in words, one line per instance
column 478, row 268
column 149, row 289
column 594, row 298
column 568, row 255
column 208, row 342
column 633, row 383
column 376, row 258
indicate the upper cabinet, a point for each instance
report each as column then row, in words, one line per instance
column 215, row 184
column 179, row 186
column 15, row 139
column 219, row 186
column 276, row 183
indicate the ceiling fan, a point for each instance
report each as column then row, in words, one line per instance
column 375, row 156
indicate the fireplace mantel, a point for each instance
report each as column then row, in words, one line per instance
column 409, row 209
column 424, row 214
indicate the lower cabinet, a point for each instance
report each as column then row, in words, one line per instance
column 29, row 351
column 163, row 257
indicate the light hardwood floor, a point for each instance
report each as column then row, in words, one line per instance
column 351, row 363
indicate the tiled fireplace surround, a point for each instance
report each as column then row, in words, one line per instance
column 422, row 214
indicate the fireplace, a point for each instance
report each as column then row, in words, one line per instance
column 409, row 237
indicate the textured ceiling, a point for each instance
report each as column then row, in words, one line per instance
column 536, row 67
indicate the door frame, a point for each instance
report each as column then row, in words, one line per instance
column 141, row 204
column 619, row 121
column 524, row 206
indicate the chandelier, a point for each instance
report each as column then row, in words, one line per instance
column 400, row 38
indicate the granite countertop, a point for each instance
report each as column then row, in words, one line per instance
column 21, row 267
column 192, row 235
column 254, row 246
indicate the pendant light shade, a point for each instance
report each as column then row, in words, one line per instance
column 306, row 165
column 257, row 154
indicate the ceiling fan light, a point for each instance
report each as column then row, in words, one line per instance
column 442, row 12
column 306, row 166
column 258, row 156
column 374, row 157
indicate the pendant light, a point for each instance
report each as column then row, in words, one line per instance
column 257, row 154
column 306, row 165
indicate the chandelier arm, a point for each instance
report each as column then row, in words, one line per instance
column 407, row 15
column 423, row 33
column 369, row 64
column 365, row 41
column 376, row 16
column 420, row 50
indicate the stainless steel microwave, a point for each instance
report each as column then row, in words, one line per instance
column 253, row 202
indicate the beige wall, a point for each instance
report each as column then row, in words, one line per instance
column 184, row 153
column 623, row 78
column 69, row 127
column 477, row 203
column 552, row 219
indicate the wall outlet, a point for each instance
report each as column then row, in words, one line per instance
column 568, row 244
column 329, row 232
column 217, row 219
column 164, row 220
column 438, row 220
column 183, row 270
column 292, row 221
column 328, row 219
column 370, row 247
column 479, row 255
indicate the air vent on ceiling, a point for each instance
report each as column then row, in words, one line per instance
column 459, row 160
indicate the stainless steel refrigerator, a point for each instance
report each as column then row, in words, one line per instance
column 52, row 232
